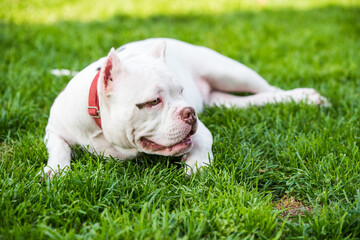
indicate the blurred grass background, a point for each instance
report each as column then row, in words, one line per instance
column 39, row 11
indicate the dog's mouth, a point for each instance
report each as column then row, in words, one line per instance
column 177, row 149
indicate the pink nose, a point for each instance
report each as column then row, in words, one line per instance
column 188, row 115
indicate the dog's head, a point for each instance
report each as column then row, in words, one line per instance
column 142, row 104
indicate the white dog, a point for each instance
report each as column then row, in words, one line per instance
column 143, row 98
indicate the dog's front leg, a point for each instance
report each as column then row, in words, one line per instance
column 201, row 154
column 59, row 155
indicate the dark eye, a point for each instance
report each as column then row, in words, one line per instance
column 182, row 90
column 154, row 102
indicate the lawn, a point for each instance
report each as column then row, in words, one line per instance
column 289, row 171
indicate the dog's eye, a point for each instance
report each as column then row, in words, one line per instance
column 154, row 102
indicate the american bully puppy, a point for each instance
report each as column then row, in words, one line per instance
column 144, row 98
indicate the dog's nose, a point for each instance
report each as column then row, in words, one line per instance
column 188, row 115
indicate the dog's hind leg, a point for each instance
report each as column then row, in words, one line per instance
column 306, row 95
column 222, row 74
column 227, row 75
column 59, row 155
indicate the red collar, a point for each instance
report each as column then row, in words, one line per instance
column 93, row 106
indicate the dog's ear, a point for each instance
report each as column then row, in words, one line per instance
column 109, row 72
column 158, row 51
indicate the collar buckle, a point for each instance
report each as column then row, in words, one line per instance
column 95, row 114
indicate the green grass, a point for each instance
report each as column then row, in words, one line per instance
column 263, row 156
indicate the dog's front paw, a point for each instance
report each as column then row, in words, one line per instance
column 49, row 172
column 190, row 170
column 309, row 96
column 193, row 167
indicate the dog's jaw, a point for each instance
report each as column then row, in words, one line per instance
column 178, row 149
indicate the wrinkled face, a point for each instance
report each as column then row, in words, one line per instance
column 163, row 121
column 144, row 105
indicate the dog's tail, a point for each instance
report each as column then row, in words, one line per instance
column 63, row 72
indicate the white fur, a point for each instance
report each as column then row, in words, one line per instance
column 143, row 71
